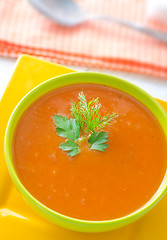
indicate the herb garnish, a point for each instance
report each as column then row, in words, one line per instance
column 98, row 141
column 71, row 147
column 85, row 124
column 67, row 128
column 88, row 114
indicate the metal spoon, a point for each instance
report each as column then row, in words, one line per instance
column 68, row 13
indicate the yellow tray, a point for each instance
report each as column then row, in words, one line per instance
column 17, row 220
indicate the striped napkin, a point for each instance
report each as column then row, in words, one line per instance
column 96, row 44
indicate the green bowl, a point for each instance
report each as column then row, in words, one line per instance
column 76, row 78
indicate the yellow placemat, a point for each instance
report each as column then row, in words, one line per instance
column 17, row 219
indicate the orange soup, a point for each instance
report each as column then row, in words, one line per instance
column 92, row 185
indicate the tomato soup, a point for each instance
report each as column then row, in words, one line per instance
column 92, row 185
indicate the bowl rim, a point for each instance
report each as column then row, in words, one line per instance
column 155, row 198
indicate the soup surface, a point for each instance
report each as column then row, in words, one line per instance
column 92, row 185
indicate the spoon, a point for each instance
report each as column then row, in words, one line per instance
column 68, row 13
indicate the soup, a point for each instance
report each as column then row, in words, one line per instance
column 92, row 185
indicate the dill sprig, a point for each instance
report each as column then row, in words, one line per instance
column 88, row 114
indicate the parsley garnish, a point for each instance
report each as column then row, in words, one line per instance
column 85, row 124
column 71, row 147
column 67, row 128
column 98, row 141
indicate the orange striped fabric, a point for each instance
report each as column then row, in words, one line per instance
column 96, row 44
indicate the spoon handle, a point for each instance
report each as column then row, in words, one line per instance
column 148, row 31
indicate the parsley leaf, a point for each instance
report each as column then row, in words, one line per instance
column 67, row 128
column 71, row 147
column 98, row 141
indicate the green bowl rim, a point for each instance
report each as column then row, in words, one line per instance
column 156, row 197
